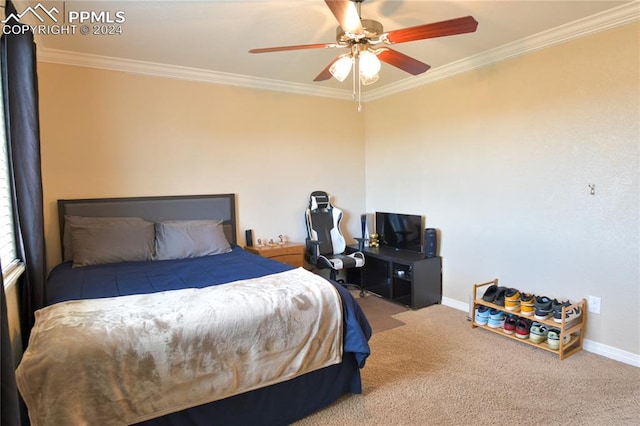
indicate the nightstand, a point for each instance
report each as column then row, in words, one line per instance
column 289, row 253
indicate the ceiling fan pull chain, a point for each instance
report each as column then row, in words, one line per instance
column 359, row 89
column 353, row 76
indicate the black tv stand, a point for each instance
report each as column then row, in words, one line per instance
column 403, row 277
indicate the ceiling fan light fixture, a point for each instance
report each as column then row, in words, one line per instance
column 366, row 80
column 340, row 69
column 369, row 64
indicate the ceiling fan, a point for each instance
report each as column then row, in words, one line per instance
column 368, row 43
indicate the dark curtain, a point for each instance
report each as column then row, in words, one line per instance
column 20, row 85
column 20, row 94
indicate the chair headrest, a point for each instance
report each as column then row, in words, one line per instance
column 318, row 200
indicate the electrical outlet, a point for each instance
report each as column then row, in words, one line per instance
column 593, row 304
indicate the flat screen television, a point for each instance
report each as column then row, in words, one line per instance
column 400, row 231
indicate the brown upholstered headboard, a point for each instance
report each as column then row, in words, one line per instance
column 180, row 207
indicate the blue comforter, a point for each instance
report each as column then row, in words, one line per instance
column 121, row 279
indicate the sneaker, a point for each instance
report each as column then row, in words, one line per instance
column 538, row 332
column 496, row 318
column 542, row 308
column 570, row 314
column 490, row 294
column 499, row 300
column 527, row 304
column 522, row 328
column 512, row 300
column 557, row 306
column 573, row 313
column 510, row 323
column 496, row 314
column 553, row 338
column 482, row 315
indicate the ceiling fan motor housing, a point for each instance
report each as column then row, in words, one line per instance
column 371, row 31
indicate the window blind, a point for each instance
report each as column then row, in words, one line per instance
column 8, row 254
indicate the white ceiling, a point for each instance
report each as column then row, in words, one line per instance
column 211, row 39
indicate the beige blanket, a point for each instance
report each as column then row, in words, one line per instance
column 127, row 359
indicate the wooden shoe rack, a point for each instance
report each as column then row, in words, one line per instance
column 573, row 328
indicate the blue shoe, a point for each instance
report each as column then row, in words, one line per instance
column 482, row 315
column 496, row 318
column 496, row 314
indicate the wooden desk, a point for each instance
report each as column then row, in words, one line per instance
column 289, row 253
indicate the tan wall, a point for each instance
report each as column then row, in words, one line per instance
column 500, row 160
column 112, row 134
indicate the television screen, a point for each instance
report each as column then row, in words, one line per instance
column 400, row 231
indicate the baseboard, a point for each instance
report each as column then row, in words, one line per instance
column 588, row 345
column 611, row 352
column 452, row 303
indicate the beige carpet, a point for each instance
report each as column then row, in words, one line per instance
column 380, row 312
column 437, row 370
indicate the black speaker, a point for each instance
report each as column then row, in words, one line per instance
column 248, row 237
column 430, row 242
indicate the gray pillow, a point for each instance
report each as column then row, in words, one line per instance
column 180, row 239
column 69, row 221
column 106, row 241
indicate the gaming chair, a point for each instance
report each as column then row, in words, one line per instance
column 325, row 244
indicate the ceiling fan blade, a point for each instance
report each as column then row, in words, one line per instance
column 326, row 74
column 402, row 61
column 437, row 29
column 346, row 12
column 297, row 47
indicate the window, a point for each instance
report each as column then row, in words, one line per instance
column 11, row 266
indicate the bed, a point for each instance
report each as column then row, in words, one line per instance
column 199, row 332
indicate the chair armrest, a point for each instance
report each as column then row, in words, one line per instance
column 313, row 255
column 312, row 250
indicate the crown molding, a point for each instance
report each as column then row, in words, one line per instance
column 599, row 22
column 583, row 27
column 183, row 73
